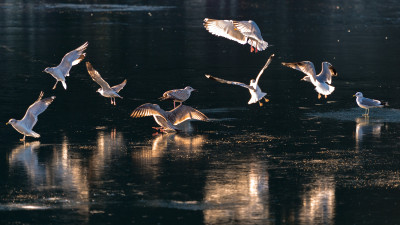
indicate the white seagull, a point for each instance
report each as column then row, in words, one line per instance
column 321, row 81
column 105, row 90
column 168, row 119
column 240, row 31
column 72, row 58
column 367, row 103
column 25, row 125
column 254, row 89
column 178, row 95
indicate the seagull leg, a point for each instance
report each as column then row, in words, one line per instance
column 174, row 105
column 55, row 85
column 266, row 99
column 251, row 48
column 260, row 103
column 326, row 96
column 319, row 96
column 23, row 139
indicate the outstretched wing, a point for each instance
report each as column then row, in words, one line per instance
column 148, row 109
column 119, row 87
column 265, row 67
column 96, row 76
column 72, row 58
column 248, row 28
column 224, row 28
column 183, row 113
column 35, row 109
column 229, row 82
column 306, row 67
column 327, row 72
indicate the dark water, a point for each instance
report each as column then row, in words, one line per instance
column 296, row 160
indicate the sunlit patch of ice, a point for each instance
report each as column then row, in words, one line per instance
column 103, row 7
column 375, row 115
column 223, row 110
column 16, row 206
column 184, row 205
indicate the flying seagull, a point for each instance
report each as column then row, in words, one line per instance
column 254, row 89
column 367, row 103
column 72, row 58
column 25, row 125
column 240, row 31
column 168, row 119
column 105, row 90
column 178, row 95
column 321, row 81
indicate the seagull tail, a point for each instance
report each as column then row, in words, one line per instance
column 35, row 135
column 64, row 84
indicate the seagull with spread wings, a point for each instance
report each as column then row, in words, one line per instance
column 72, row 58
column 168, row 120
column 240, row 31
column 254, row 89
column 321, row 81
column 367, row 103
column 105, row 90
column 26, row 124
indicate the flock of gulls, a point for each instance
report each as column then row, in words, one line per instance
column 243, row 32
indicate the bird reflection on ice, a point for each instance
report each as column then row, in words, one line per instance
column 237, row 194
column 318, row 202
column 364, row 127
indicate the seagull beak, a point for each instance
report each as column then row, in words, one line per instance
column 7, row 123
column 354, row 95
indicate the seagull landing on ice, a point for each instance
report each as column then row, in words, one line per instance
column 72, row 58
column 240, row 31
column 321, row 81
column 25, row 125
column 105, row 90
column 254, row 89
column 168, row 119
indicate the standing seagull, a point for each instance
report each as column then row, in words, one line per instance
column 105, row 90
column 367, row 103
column 178, row 95
column 25, row 125
column 240, row 31
column 254, row 89
column 320, row 81
column 168, row 119
column 72, row 58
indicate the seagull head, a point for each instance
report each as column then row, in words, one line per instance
column 188, row 88
column 11, row 121
column 100, row 90
column 358, row 94
column 252, row 81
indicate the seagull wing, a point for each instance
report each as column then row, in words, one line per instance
column 148, row 109
column 229, row 82
column 371, row 102
column 39, row 106
column 306, row 67
column 183, row 113
column 96, row 76
column 72, row 58
column 265, row 67
column 327, row 72
column 252, row 31
column 224, row 28
column 119, row 87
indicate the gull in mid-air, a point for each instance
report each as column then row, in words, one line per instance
column 178, row 95
column 367, row 103
column 321, row 81
column 25, row 125
column 72, row 58
column 168, row 120
column 105, row 90
column 254, row 89
column 240, row 31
